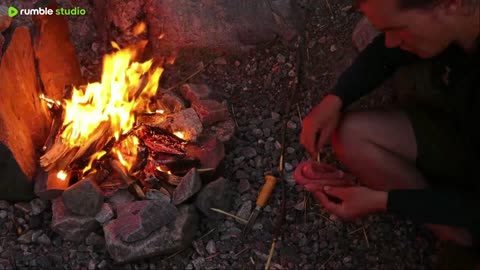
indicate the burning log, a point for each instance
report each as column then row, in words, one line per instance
column 160, row 140
column 61, row 155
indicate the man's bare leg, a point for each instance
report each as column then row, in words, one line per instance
column 379, row 148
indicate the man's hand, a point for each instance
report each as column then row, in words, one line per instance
column 314, row 175
column 355, row 202
column 320, row 123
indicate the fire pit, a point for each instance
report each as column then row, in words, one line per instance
column 127, row 157
column 124, row 158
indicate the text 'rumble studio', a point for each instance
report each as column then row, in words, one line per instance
column 76, row 11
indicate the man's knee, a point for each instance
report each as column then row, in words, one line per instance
column 347, row 137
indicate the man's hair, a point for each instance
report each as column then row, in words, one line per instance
column 425, row 4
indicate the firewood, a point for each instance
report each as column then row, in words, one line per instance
column 24, row 119
column 62, row 155
column 57, row 60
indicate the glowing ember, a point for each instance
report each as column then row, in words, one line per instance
column 126, row 87
column 139, row 28
column 179, row 134
column 62, row 175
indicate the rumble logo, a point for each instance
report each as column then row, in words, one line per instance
column 76, row 11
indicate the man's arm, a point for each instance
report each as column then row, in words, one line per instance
column 373, row 65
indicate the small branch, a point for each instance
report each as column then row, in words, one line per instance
column 356, row 230
column 329, row 7
column 270, row 255
column 366, row 238
column 241, row 251
column 329, row 258
column 190, row 77
column 230, row 215
column 205, row 235
column 234, row 117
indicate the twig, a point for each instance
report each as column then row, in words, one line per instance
column 241, row 251
column 329, row 258
column 212, row 256
column 176, row 253
column 189, row 77
column 270, row 255
column 234, row 117
column 205, row 235
column 299, row 115
column 366, row 238
column 230, row 215
column 329, row 7
column 356, row 230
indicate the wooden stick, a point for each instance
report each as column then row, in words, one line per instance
column 230, row 215
column 234, row 117
column 189, row 77
column 205, row 235
column 270, row 255
column 366, row 238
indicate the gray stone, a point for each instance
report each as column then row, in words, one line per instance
column 189, row 186
column 94, row 239
column 186, row 121
column 214, row 195
column 210, row 111
column 26, row 238
column 4, row 205
column 243, row 185
column 198, row 263
column 192, row 92
column 5, row 20
column 71, row 226
column 210, row 247
column 105, row 214
column 224, row 130
column 38, row 206
column 139, row 219
column 172, row 102
column 220, row 25
column 166, row 240
column 245, row 210
column 44, row 240
column 84, row 197
column 154, row 194
column 120, row 197
column 209, row 151
column 249, row 152
column 3, row 214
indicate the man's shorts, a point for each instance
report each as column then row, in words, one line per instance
column 444, row 155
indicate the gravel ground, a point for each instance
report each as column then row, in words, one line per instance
column 255, row 85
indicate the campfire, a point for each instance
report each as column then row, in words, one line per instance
column 123, row 159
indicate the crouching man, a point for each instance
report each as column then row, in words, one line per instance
column 417, row 160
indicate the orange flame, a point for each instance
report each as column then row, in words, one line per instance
column 126, row 87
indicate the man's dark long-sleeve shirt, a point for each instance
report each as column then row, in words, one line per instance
column 373, row 66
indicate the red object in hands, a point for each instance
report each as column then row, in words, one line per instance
column 314, row 175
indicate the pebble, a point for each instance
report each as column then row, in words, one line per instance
column 291, row 125
column 249, row 152
column 37, row 206
column 210, row 247
column 24, row 206
column 245, row 210
column 3, row 214
column 243, row 185
column 288, row 167
column 4, row 205
column 281, row 58
column 333, row 48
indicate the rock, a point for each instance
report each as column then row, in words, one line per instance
column 26, row 238
column 5, row 20
column 166, row 240
column 94, row 239
column 136, row 220
column 189, row 186
column 219, row 25
column 210, row 111
column 198, row 263
column 38, row 206
column 4, row 205
column 70, row 226
column 44, row 240
column 243, row 185
column 210, row 152
column 245, row 210
column 211, row 248
column 214, row 195
column 120, row 197
column 363, row 34
column 186, row 121
column 222, row 130
column 154, row 194
column 249, row 152
column 105, row 214
column 194, row 92
column 84, row 197
column 172, row 102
